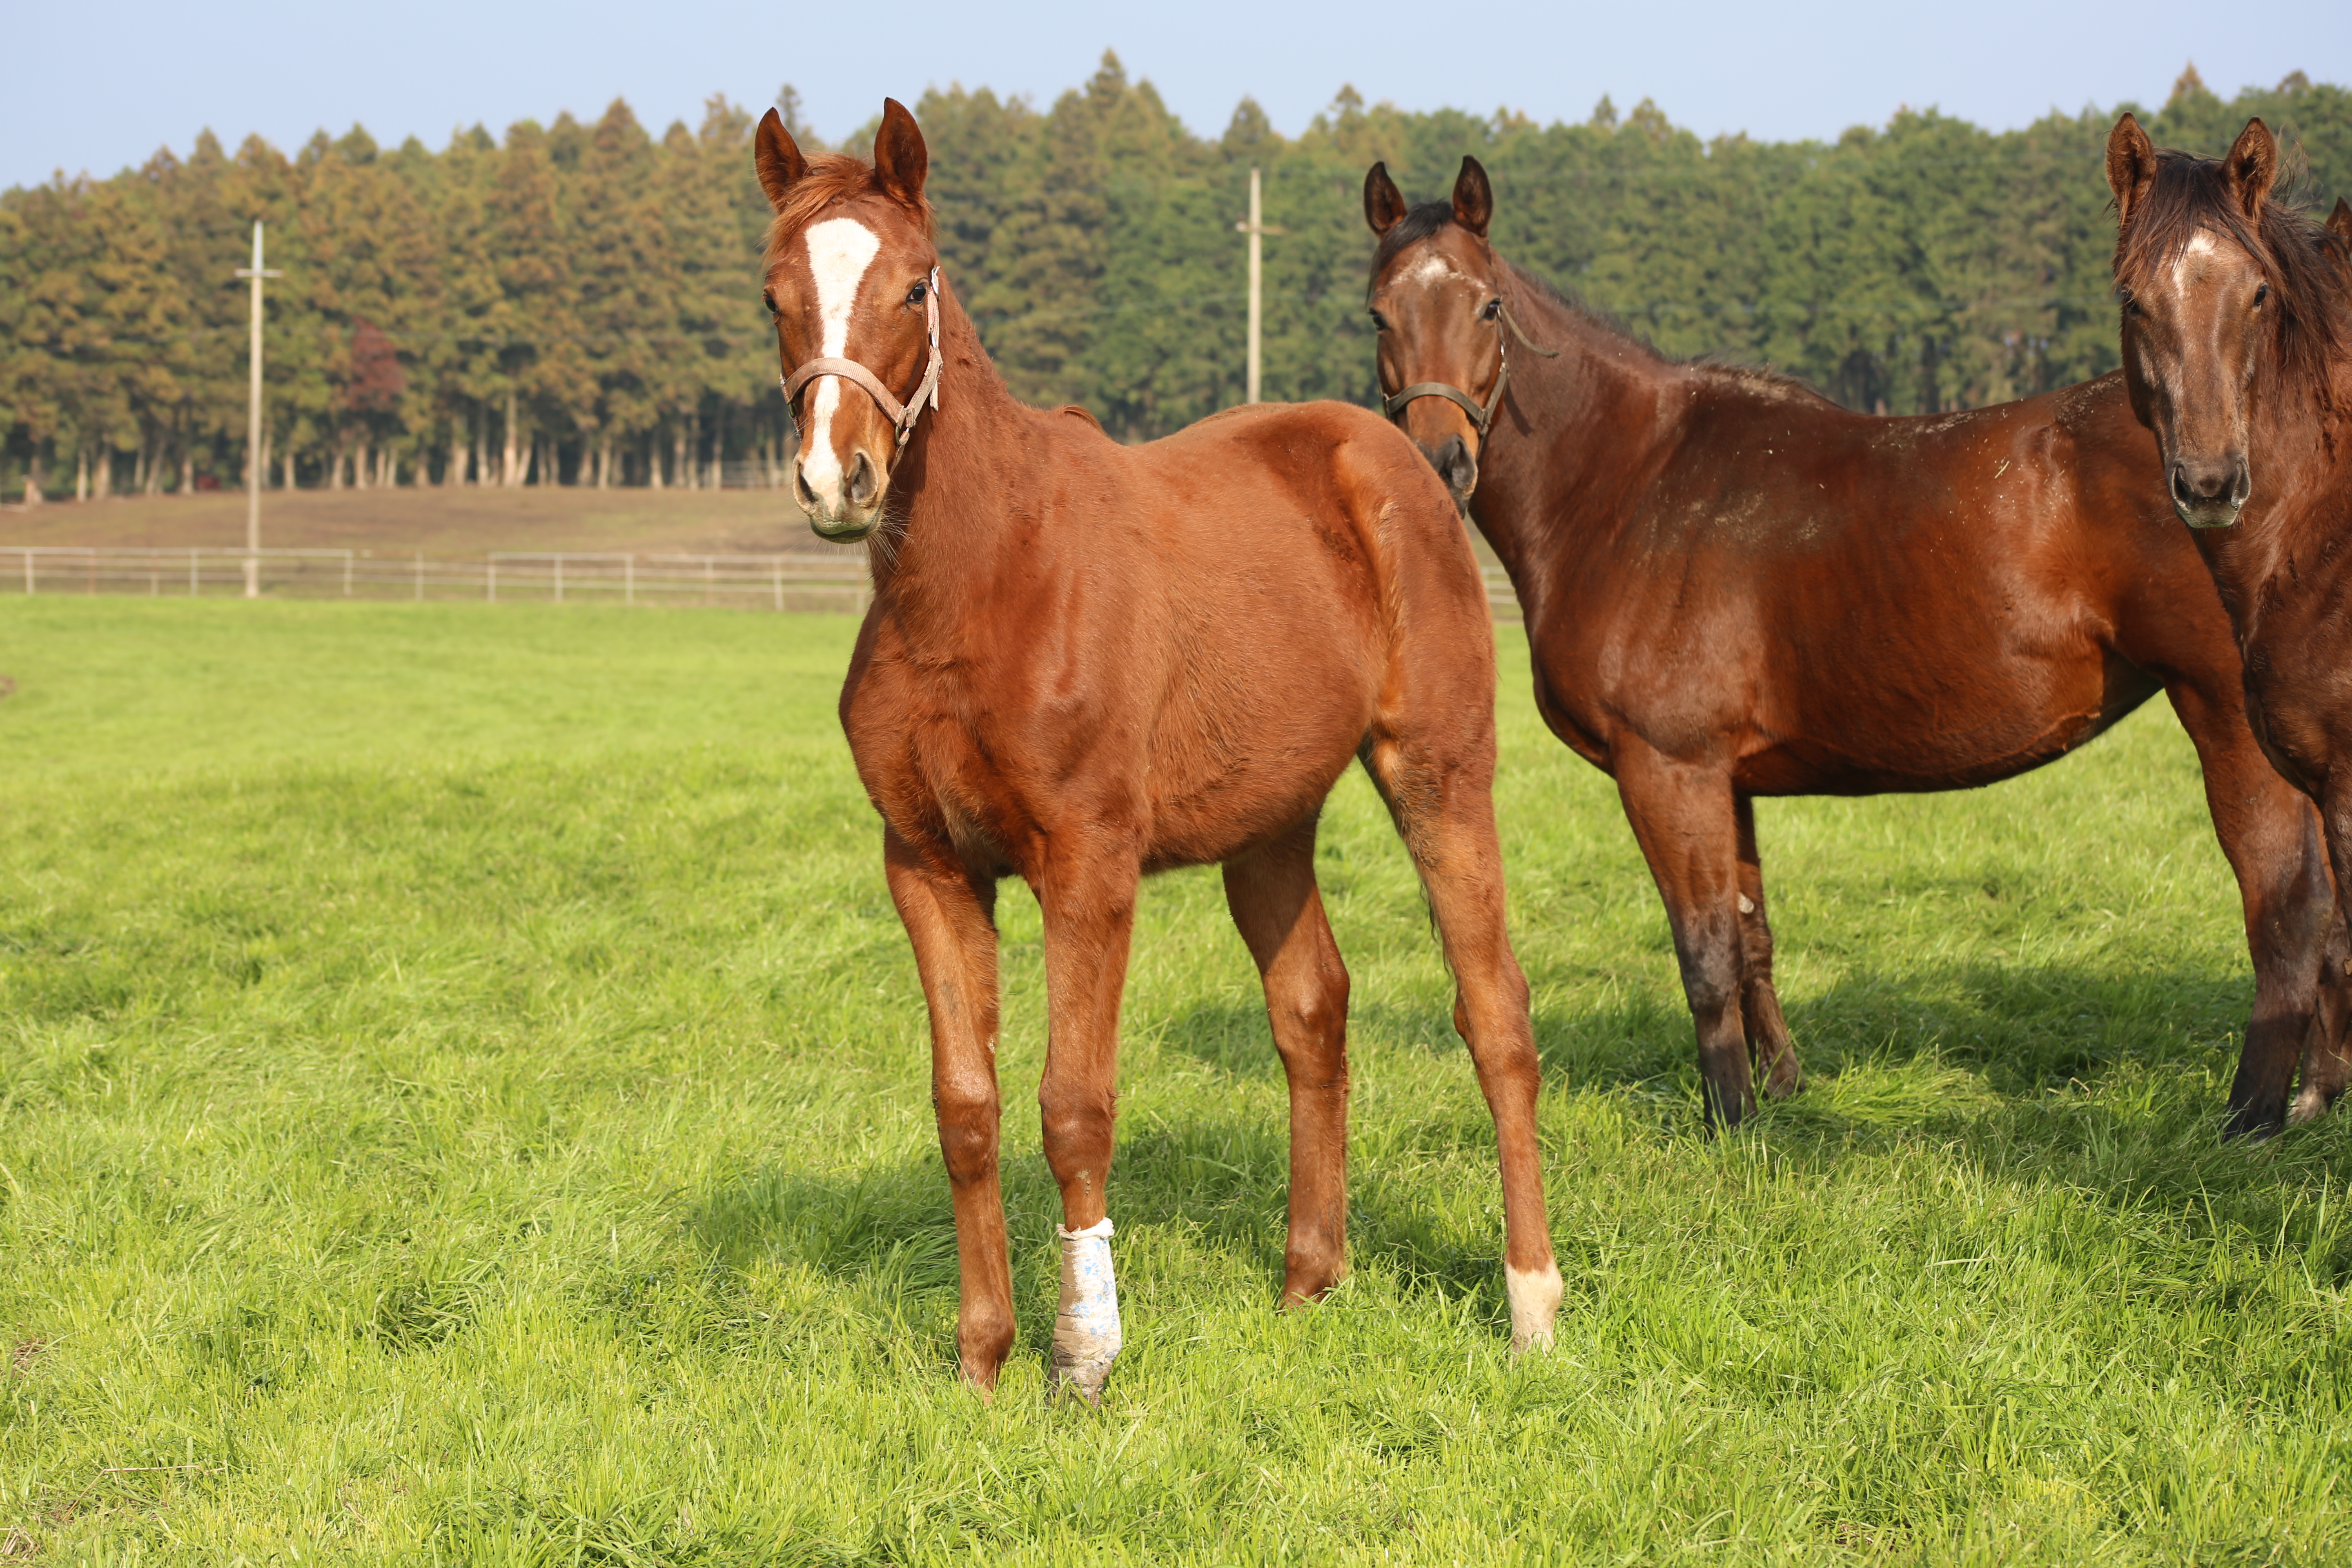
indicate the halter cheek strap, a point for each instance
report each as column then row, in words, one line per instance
column 901, row 414
column 1393, row 403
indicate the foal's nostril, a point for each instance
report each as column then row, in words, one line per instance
column 862, row 482
column 2180, row 496
column 801, row 491
column 1458, row 467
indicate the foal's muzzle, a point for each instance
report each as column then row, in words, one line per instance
column 853, row 514
column 1456, row 466
column 2210, row 494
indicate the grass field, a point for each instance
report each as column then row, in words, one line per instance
column 463, row 1098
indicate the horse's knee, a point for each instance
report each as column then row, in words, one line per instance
column 1310, row 1020
column 1077, row 1121
column 968, row 1129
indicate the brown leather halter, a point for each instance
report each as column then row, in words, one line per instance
column 902, row 415
column 1393, row 404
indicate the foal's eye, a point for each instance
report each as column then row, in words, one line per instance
column 2261, row 294
column 919, row 292
column 768, row 298
column 1491, row 310
column 1379, row 322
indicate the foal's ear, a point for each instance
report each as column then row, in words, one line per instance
column 899, row 155
column 2131, row 167
column 1384, row 203
column 777, row 157
column 2250, row 167
column 1473, row 198
column 2339, row 222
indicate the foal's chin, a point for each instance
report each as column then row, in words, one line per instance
column 2208, row 515
column 851, row 529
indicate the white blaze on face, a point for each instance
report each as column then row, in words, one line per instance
column 840, row 249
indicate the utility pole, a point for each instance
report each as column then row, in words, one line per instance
column 1256, row 231
column 253, row 475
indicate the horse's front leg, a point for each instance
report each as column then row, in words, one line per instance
column 1089, row 909
column 950, row 917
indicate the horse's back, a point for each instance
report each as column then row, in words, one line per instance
column 1248, row 578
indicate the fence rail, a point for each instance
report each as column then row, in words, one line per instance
column 786, row 581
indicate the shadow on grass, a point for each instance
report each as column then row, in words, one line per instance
column 2071, row 1083
column 1214, row 1187
column 2111, row 1080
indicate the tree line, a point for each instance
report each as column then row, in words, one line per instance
column 577, row 303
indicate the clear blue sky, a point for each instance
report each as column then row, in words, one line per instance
column 99, row 89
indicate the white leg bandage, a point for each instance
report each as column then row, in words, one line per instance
column 1534, row 1303
column 1086, row 1330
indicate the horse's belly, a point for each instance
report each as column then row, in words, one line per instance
column 1220, row 789
column 1940, row 737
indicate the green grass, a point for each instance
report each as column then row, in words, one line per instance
column 463, row 1098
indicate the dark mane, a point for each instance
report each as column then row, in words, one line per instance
column 1430, row 217
column 2314, row 288
column 832, row 177
column 1760, row 377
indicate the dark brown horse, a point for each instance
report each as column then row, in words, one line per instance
column 1087, row 662
column 1735, row 587
column 2237, row 350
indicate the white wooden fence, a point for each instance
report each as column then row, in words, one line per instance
column 784, row 580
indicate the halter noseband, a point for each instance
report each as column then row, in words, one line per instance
column 1393, row 404
column 901, row 414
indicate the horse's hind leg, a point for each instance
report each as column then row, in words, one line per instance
column 1275, row 903
column 949, row 918
column 1682, row 815
column 1444, row 808
column 2326, row 1049
column 1760, row 1003
column 2271, row 837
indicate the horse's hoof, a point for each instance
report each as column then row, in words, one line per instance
column 1082, row 1376
column 1535, row 1305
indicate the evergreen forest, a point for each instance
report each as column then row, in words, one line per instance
column 578, row 302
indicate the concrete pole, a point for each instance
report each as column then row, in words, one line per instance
column 1256, row 229
column 1256, row 281
column 253, row 475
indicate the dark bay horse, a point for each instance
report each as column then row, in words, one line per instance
column 1735, row 587
column 2237, row 350
column 1086, row 662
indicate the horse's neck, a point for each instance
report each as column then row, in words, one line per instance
column 2301, row 442
column 2301, row 448
column 957, row 488
column 1583, row 419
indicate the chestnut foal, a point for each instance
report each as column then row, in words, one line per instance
column 1087, row 662
column 2237, row 349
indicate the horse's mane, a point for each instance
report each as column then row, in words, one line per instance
column 1762, row 378
column 2312, row 287
column 1420, row 222
column 832, row 177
